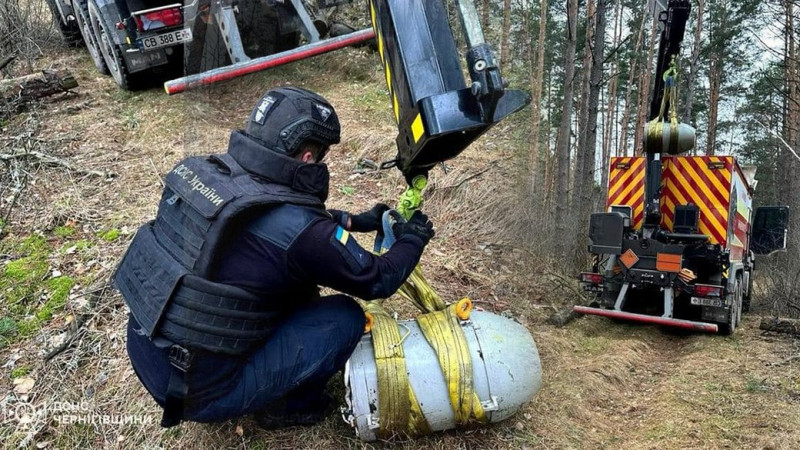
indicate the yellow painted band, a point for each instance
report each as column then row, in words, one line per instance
column 388, row 73
column 417, row 128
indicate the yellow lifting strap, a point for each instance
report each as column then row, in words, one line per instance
column 416, row 288
column 443, row 331
column 655, row 128
column 398, row 409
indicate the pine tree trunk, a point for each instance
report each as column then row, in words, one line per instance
column 611, row 112
column 485, row 15
column 786, row 182
column 686, row 117
column 504, row 43
column 588, row 136
column 714, row 74
column 536, row 75
column 548, row 154
column 622, row 149
column 791, row 118
column 595, row 82
column 578, row 180
column 563, row 138
column 604, row 128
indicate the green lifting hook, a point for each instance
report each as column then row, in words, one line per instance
column 411, row 199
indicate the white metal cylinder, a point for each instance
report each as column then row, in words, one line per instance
column 505, row 363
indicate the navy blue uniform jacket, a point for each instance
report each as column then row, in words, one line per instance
column 284, row 255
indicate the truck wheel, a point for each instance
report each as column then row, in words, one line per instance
column 260, row 28
column 70, row 31
column 733, row 318
column 747, row 298
column 111, row 52
column 85, row 26
column 257, row 27
column 206, row 51
column 740, row 301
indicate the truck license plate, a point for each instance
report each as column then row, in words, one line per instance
column 167, row 39
column 707, row 301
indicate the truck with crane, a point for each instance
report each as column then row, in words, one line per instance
column 129, row 39
column 677, row 243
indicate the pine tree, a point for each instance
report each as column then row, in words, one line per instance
column 725, row 53
column 564, row 129
column 629, row 103
column 536, row 80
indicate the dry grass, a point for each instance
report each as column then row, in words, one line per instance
column 605, row 385
column 626, row 386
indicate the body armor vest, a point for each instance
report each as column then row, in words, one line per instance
column 165, row 276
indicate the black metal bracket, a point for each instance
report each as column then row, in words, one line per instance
column 438, row 114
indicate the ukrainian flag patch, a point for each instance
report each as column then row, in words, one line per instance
column 342, row 235
column 355, row 256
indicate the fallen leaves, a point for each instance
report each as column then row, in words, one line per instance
column 23, row 385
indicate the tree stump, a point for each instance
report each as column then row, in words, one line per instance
column 37, row 85
column 789, row 326
column 562, row 317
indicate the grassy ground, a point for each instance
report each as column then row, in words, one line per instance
column 605, row 385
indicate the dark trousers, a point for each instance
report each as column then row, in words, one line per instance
column 309, row 346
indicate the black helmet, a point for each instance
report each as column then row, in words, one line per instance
column 286, row 117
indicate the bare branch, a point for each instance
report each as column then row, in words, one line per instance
column 19, row 188
column 53, row 161
column 615, row 49
column 780, row 138
column 768, row 48
column 7, row 60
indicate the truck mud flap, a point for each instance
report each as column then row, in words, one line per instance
column 137, row 61
column 677, row 323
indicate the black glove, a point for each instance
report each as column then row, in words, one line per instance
column 368, row 220
column 418, row 225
